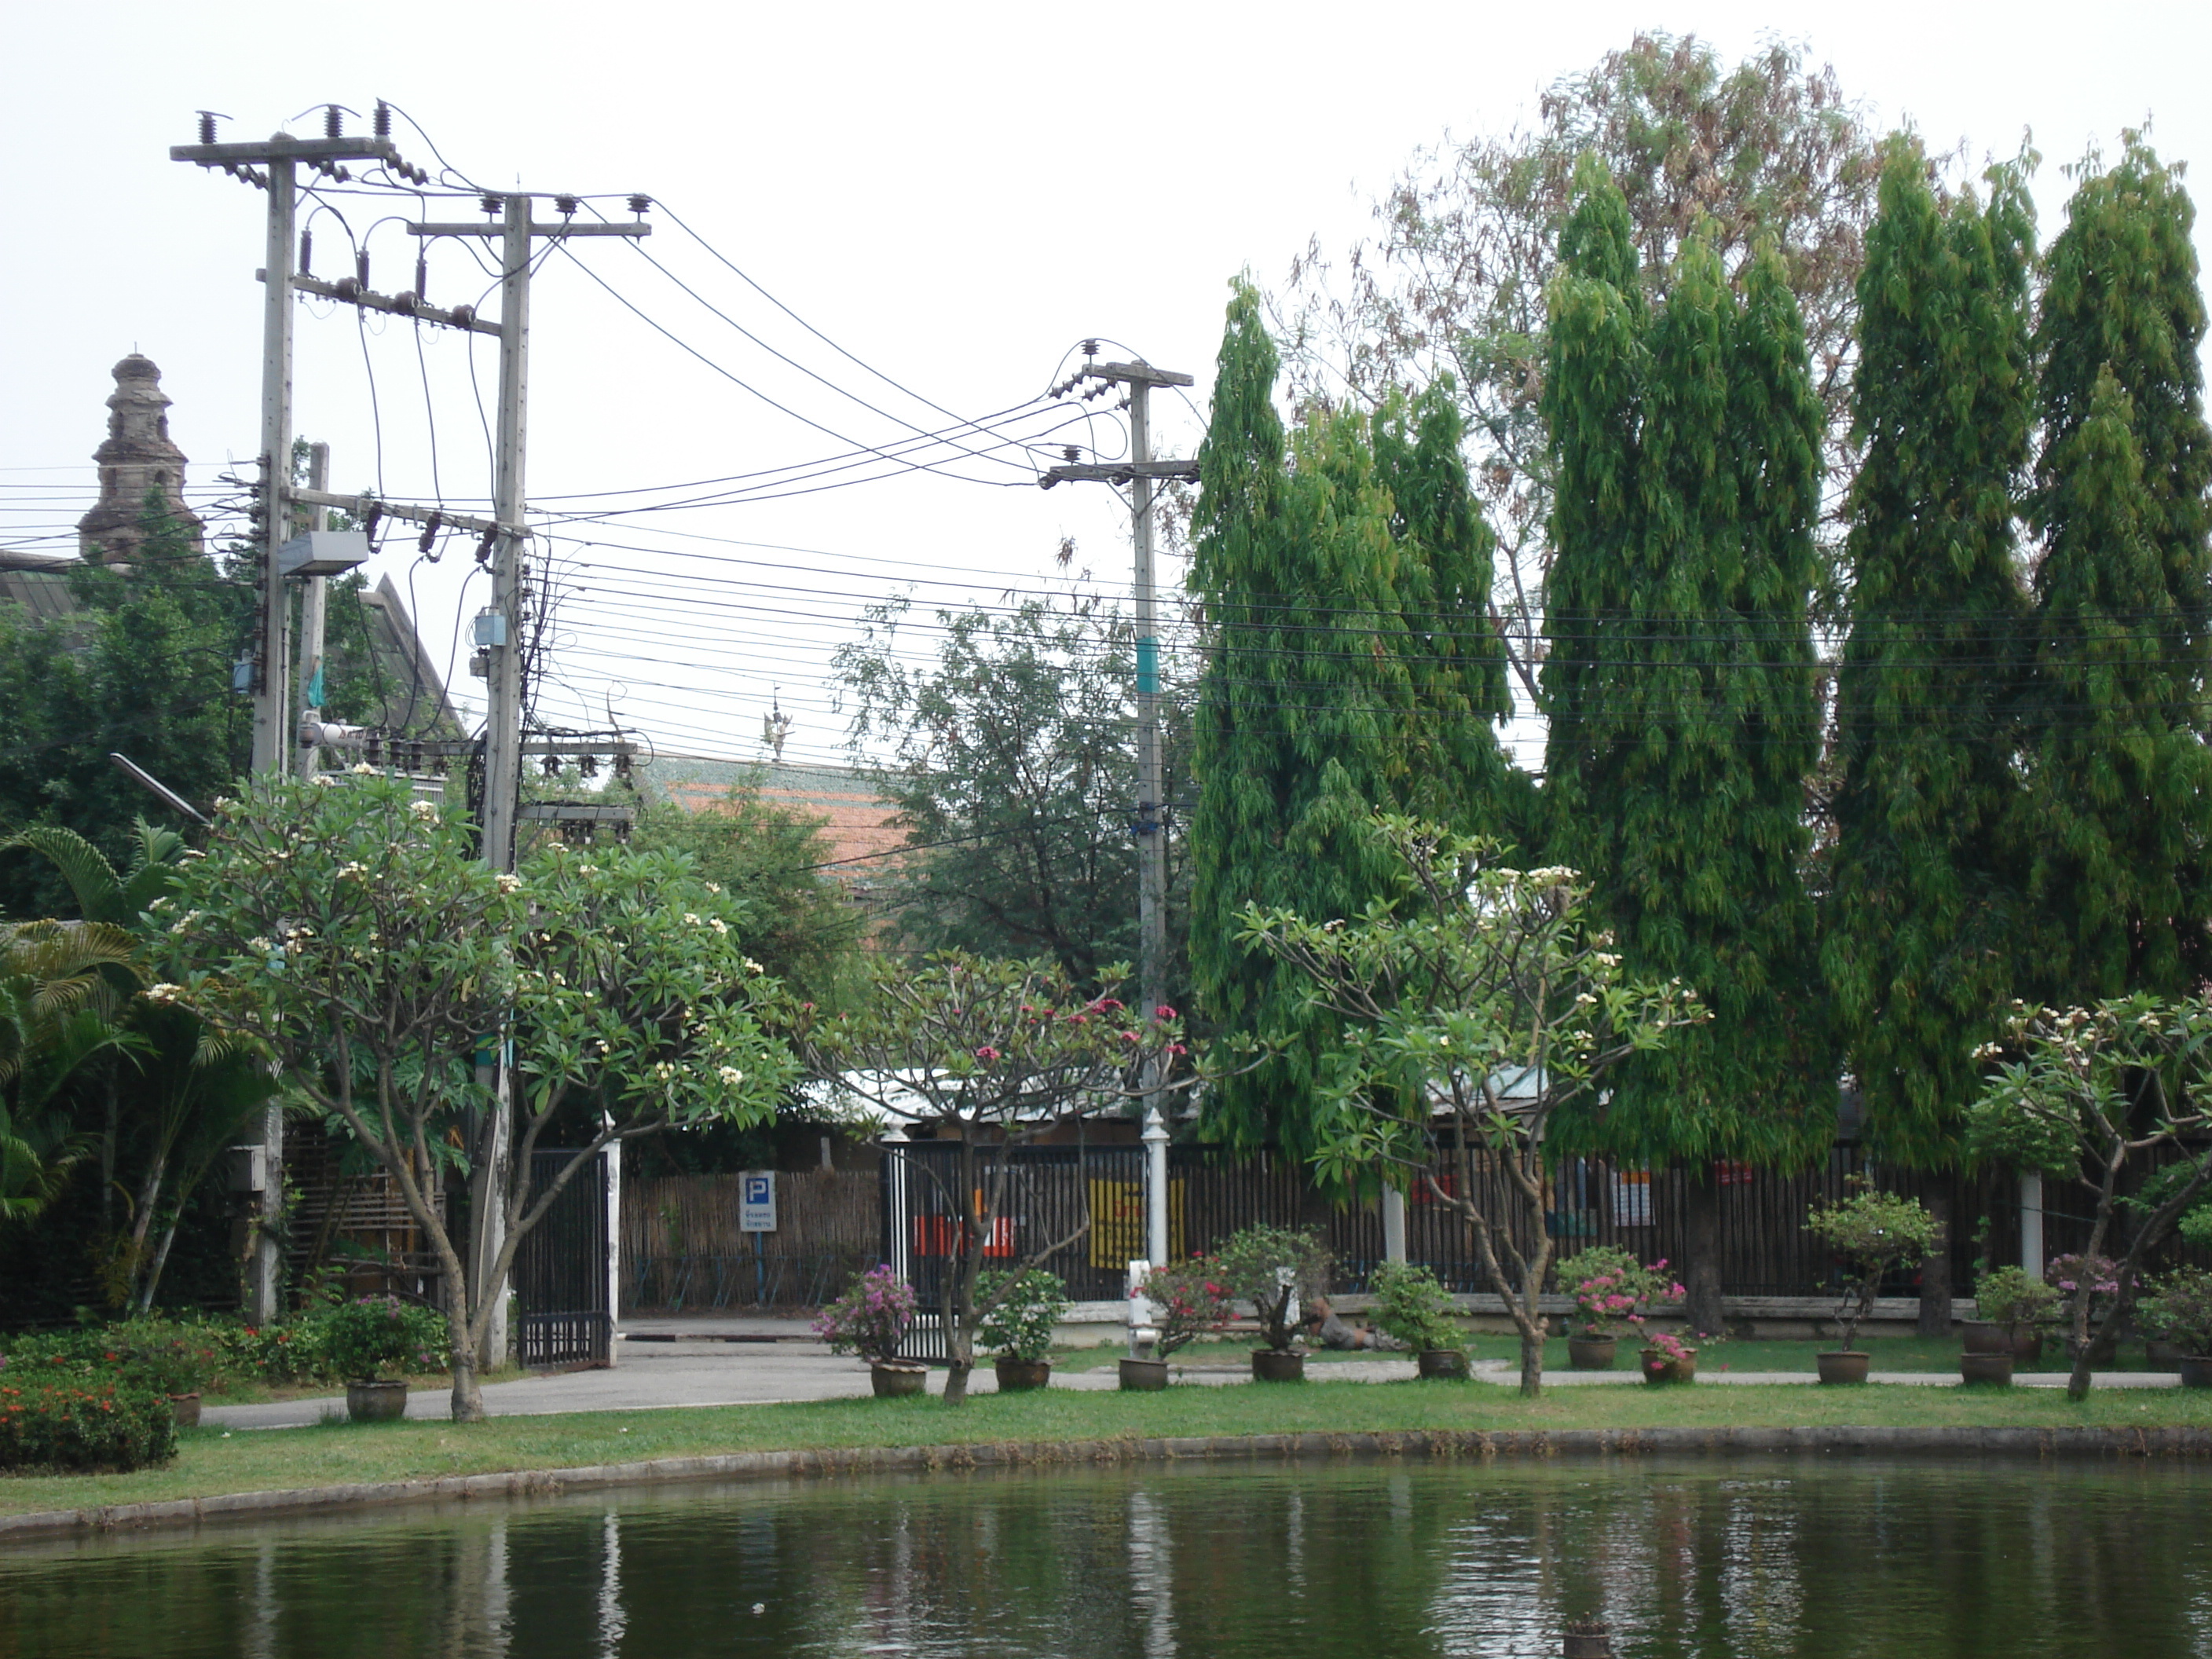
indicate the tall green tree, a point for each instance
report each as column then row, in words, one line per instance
column 2119, row 805
column 1686, row 722
column 1921, row 912
column 1349, row 668
column 1457, row 274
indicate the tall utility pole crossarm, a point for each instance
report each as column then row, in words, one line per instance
column 1140, row 472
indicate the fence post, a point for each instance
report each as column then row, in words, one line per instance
column 611, row 1152
column 899, row 1251
column 2031, row 1224
column 1156, row 1186
column 1394, row 1226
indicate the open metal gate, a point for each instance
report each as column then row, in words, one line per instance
column 561, row 1273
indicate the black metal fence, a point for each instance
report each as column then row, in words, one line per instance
column 561, row 1270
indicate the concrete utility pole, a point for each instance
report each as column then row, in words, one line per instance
column 500, row 632
column 1140, row 471
column 279, row 159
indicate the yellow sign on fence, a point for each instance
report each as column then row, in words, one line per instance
column 1117, row 1223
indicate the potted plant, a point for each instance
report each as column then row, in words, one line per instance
column 1611, row 1293
column 1411, row 1306
column 1668, row 1359
column 1272, row 1268
column 2178, row 1310
column 1190, row 1299
column 2014, row 1306
column 1022, row 1309
column 1872, row 1232
column 372, row 1343
column 870, row 1320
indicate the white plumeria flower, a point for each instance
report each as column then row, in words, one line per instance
column 731, row 1075
column 422, row 811
column 718, row 925
column 508, row 882
column 323, row 781
column 361, row 769
column 752, row 967
column 163, row 991
column 690, row 920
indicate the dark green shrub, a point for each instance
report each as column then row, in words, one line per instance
column 56, row 1418
column 381, row 1336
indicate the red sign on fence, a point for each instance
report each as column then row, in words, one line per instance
column 939, row 1235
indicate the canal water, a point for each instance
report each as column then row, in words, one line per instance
column 1720, row 1560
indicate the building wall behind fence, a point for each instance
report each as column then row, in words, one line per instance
column 682, row 1251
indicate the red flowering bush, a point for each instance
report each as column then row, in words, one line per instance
column 63, row 1419
column 1192, row 1300
column 1612, row 1292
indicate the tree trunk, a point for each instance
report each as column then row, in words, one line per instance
column 468, row 1405
column 1935, row 1267
column 1703, row 1310
column 1532, row 1365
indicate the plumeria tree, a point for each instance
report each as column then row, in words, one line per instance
column 349, row 928
column 2086, row 1095
column 997, row 1054
column 1477, row 1001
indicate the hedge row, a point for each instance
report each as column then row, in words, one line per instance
column 65, row 1423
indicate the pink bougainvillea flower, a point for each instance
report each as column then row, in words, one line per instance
column 987, row 1052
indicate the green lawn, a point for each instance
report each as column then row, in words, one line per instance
column 211, row 1462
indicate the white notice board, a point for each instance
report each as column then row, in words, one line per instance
column 757, row 1201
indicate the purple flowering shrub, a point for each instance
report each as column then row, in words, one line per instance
column 871, row 1317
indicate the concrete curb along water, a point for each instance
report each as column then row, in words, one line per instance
column 1436, row 1445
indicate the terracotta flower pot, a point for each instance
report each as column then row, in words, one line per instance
column 1144, row 1375
column 1449, row 1364
column 1995, row 1369
column 890, row 1377
column 1659, row 1366
column 1016, row 1376
column 1842, row 1365
column 1274, row 1365
column 376, row 1400
column 2197, row 1371
column 1591, row 1353
column 186, row 1409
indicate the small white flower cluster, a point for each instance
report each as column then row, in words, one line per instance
column 323, row 781
column 690, row 920
column 420, row 810
column 731, row 1075
column 664, row 1071
column 361, row 769
column 752, row 967
column 164, row 992
column 352, row 870
column 719, row 925
column 510, row 882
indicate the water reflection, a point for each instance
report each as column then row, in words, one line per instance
column 1710, row 1560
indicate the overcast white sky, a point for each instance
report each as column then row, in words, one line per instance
column 954, row 195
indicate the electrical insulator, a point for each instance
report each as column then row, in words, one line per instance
column 430, row 533
column 380, row 122
column 421, row 276
column 565, row 206
column 550, row 766
column 307, row 254
column 492, row 204
column 587, row 766
column 1090, row 348
column 333, row 126
column 361, row 267
column 638, row 204
column 1068, row 452
column 483, row 547
column 463, row 315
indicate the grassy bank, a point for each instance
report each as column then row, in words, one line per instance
column 336, row 1454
